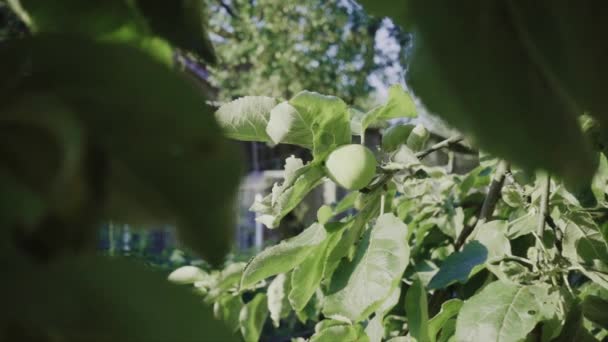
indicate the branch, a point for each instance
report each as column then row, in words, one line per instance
column 489, row 203
column 228, row 9
column 523, row 261
column 544, row 205
column 439, row 145
column 545, row 185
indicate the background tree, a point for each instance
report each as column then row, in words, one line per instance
column 278, row 48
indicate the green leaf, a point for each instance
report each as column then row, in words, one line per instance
column 458, row 266
column 512, row 197
column 283, row 257
column 299, row 180
column 110, row 21
column 92, row 20
column 501, row 312
column 187, row 275
column 182, row 22
column 228, row 278
column 360, row 286
column 418, row 138
column 493, row 236
column 448, row 333
column 573, row 329
column 312, row 309
column 307, row 276
column 246, row 118
column 395, row 136
column 370, row 207
column 331, row 330
column 475, row 84
column 416, row 309
column 523, row 225
column 278, row 304
column 160, row 155
column 252, row 318
column 398, row 105
column 449, row 310
column 405, row 157
column 311, row 120
column 594, row 309
column 582, row 241
column 227, row 309
column 84, row 299
column 374, row 329
column 599, row 277
column 346, row 203
column 324, row 214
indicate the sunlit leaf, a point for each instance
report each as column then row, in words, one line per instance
column 252, row 318
column 358, row 287
column 330, row 330
column 246, row 118
column 501, row 312
column 187, row 275
column 493, row 236
column 298, row 181
column 416, row 309
column 307, row 276
column 311, row 120
column 283, row 257
column 228, row 309
column 523, row 225
column 398, row 105
column 449, row 310
column 278, row 304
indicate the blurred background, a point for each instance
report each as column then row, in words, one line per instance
column 277, row 48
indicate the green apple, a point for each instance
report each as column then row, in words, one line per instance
column 418, row 138
column 351, row 166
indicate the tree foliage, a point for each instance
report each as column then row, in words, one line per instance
column 496, row 254
column 279, row 48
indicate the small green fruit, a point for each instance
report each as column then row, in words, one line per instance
column 417, row 138
column 351, row 166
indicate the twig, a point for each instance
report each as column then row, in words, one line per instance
column 487, row 208
column 525, row 262
column 544, row 206
column 542, row 217
column 438, row 146
column 489, row 203
column 228, row 9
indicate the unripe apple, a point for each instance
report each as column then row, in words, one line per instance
column 351, row 166
column 418, row 138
